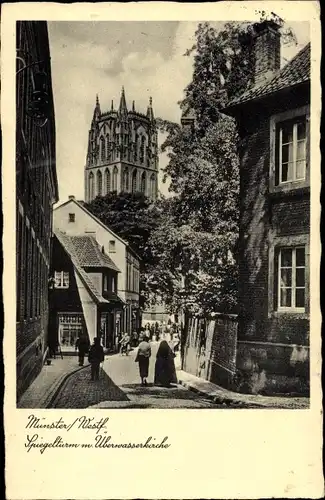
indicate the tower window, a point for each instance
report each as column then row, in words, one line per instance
column 91, row 186
column 107, row 181
column 134, row 181
column 102, row 149
column 153, row 186
column 142, row 149
column 115, row 172
column 99, row 183
column 143, row 183
column 126, row 180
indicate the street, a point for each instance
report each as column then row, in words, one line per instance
column 119, row 387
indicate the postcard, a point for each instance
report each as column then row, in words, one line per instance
column 161, row 183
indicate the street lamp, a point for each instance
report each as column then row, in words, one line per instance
column 38, row 109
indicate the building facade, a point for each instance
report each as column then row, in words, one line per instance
column 122, row 152
column 73, row 219
column 273, row 123
column 36, row 192
column 83, row 296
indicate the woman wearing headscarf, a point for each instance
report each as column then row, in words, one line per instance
column 143, row 357
column 165, row 372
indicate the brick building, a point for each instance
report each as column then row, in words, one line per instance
column 122, row 152
column 73, row 219
column 36, row 191
column 84, row 298
column 273, row 122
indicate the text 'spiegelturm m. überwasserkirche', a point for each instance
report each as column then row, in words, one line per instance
column 122, row 152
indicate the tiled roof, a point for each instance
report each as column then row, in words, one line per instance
column 295, row 72
column 70, row 249
column 89, row 254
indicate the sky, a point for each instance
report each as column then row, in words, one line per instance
column 147, row 58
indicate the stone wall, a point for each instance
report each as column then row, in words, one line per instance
column 272, row 368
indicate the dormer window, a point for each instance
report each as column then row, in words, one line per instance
column 72, row 217
column 111, row 247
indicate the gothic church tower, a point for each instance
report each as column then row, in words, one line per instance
column 122, row 152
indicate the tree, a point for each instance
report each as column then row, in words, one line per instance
column 196, row 241
column 133, row 217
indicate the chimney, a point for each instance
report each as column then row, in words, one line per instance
column 267, row 51
column 72, row 197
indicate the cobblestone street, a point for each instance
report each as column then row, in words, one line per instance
column 119, row 387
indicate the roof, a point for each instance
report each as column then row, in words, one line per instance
column 89, row 254
column 69, row 248
column 81, row 204
column 295, row 72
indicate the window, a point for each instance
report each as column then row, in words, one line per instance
column 111, row 246
column 91, row 186
column 107, row 181
column 102, row 149
column 61, row 279
column 153, row 187
column 289, row 150
column 107, row 146
column 291, row 278
column 115, row 172
column 142, row 149
column 134, row 181
column 126, row 180
column 72, row 217
column 105, row 283
column 292, row 150
column 99, row 183
column 143, row 183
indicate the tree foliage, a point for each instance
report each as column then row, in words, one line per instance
column 195, row 244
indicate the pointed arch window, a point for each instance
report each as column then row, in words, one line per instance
column 142, row 149
column 136, row 145
column 126, row 180
column 102, row 148
column 134, row 181
column 143, row 183
column 115, row 174
column 99, row 183
column 107, row 181
column 91, row 186
column 107, row 147
column 152, row 187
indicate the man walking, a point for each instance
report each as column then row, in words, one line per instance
column 82, row 345
column 95, row 358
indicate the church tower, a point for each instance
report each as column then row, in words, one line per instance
column 122, row 152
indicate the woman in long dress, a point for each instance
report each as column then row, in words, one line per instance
column 165, row 372
column 143, row 357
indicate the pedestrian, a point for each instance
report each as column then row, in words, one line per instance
column 125, row 344
column 143, row 357
column 165, row 372
column 82, row 345
column 135, row 338
column 95, row 357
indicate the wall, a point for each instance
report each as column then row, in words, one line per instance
column 210, row 349
column 272, row 368
column 36, row 191
column 265, row 217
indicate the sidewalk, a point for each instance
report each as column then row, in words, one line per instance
column 220, row 395
column 42, row 390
